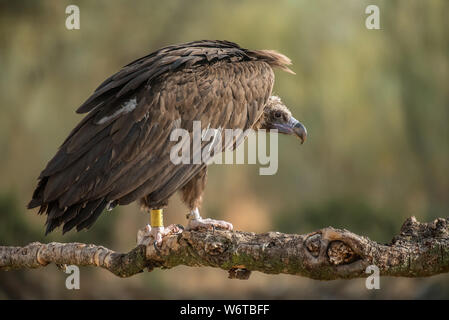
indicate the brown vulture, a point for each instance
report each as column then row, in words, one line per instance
column 120, row 151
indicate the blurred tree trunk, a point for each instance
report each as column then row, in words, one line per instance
column 420, row 60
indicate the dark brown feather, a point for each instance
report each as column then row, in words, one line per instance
column 118, row 155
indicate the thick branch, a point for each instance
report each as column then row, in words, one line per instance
column 421, row 249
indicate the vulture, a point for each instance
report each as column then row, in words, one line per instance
column 120, row 151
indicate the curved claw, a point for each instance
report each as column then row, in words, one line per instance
column 154, row 236
column 156, row 247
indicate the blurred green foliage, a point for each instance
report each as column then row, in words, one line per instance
column 375, row 102
column 13, row 227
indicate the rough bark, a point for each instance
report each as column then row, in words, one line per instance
column 420, row 250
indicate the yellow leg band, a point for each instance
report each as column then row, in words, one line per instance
column 156, row 218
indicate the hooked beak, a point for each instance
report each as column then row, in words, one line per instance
column 293, row 127
column 299, row 130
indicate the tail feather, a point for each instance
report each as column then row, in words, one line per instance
column 82, row 215
column 86, row 224
column 79, row 215
column 38, row 194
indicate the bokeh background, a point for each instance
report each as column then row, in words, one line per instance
column 375, row 102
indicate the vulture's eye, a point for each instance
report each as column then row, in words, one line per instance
column 277, row 114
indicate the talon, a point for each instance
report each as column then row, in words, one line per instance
column 155, row 235
column 156, row 247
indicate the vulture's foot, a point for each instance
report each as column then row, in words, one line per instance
column 196, row 222
column 149, row 235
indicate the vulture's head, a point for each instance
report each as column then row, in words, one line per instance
column 277, row 116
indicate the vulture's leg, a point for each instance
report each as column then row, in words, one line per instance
column 192, row 194
column 155, row 231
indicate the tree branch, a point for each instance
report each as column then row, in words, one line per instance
column 421, row 249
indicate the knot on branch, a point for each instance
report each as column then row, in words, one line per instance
column 214, row 248
column 332, row 242
column 313, row 244
column 340, row 253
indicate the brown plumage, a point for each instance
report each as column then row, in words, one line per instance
column 120, row 151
